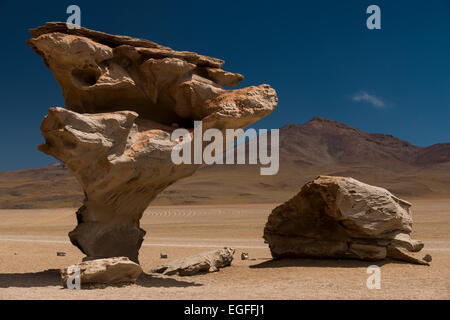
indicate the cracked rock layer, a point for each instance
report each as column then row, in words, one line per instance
column 340, row 217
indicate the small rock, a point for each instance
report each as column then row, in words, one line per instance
column 244, row 256
column 427, row 258
column 61, row 254
column 201, row 263
column 163, row 255
column 103, row 271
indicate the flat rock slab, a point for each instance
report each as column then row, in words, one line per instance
column 102, row 271
column 411, row 257
column 201, row 263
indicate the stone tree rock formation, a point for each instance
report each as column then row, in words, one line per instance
column 124, row 97
column 338, row 217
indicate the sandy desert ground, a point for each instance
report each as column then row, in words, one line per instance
column 29, row 240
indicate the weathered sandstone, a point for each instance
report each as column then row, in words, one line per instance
column 201, row 263
column 338, row 217
column 124, row 97
column 104, row 271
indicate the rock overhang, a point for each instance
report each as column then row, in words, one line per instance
column 102, row 73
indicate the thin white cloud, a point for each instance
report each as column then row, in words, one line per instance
column 363, row 96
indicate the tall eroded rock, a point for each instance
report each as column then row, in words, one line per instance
column 339, row 217
column 124, row 97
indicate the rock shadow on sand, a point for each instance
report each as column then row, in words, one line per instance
column 321, row 263
column 51, row 277
column 156, row 281
column 45, row 278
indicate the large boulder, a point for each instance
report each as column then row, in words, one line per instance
column 124, row 97
column 201, row 263
column 339, row 217
column 102, row 271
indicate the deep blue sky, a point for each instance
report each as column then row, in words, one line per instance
column 317, row 54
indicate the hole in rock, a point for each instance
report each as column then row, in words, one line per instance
column 85, row 77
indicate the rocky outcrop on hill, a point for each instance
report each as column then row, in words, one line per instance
column 124, row 97
column 103, row 271
column 201, row 263
column 339, row 217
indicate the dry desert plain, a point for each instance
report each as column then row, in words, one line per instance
column 30, row 239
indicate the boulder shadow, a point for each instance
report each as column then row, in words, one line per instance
column 321, row 263
column 51, row 277
column 47, row 278
column 158, row 281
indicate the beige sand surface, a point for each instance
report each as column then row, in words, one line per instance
column 29, row 240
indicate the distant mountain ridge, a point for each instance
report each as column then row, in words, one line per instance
column 343, row 144
column 317, row 147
